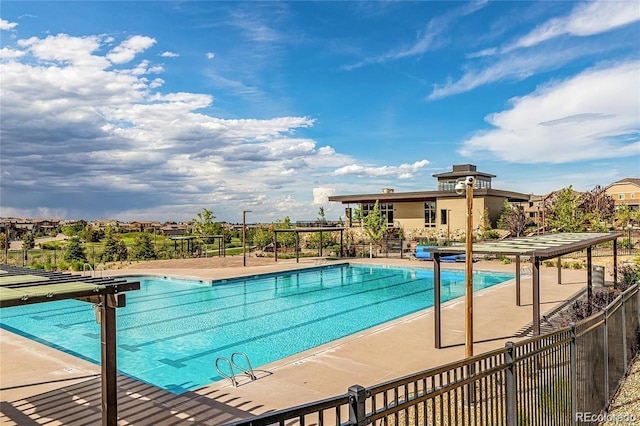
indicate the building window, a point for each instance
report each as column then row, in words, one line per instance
column 430, row 214
column 443, row 216
column 633, row 195
column 386, row 209
column 620, row 196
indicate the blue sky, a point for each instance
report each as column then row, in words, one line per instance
column 153, row 110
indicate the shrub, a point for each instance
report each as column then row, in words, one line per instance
column 628, row 275
column 490, row 234
column 77, row 265
column 584, row 308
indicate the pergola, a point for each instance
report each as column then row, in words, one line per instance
column 297, row 231
column 22, row 286
column 537, row 248
column 190, row 245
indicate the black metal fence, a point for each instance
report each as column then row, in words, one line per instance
column 562, row 378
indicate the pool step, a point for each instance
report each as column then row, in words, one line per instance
column 231, row 364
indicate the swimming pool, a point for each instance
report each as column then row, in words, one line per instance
column 172, row 330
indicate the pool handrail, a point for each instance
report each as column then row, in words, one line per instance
column 249, row 370
column 231, row 376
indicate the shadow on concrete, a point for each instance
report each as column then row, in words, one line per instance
column 480, row 341
column 138, row 403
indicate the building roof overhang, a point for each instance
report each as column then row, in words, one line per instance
column 405, row 197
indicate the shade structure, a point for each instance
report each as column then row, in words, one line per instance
column 537, row 248
column 22, row 286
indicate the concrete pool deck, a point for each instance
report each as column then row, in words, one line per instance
column 40, row 385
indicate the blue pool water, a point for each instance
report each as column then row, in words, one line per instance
column 171, row 330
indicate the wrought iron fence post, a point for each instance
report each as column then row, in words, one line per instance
column 357, row 397
column 605, row 347
column 624, row 335
column 574, row 374
column 511, row 385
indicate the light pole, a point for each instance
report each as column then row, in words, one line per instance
column 466, row 185
column 244, row 226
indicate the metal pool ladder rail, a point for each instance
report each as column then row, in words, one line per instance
column 233, row 363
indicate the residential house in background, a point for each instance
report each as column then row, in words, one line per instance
column 103, row 224
column 625, row 191
column 142, row 226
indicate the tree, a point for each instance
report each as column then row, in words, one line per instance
column 287, row 239
column 486, row 230
column 624, row 216
column 28, row 241
column 321, row 216
column 598, row 209
column 262, row 237
column 73, row 230
column 4, row 243
column 142, row 248
column 204, row 226
column 114, row 248
column 375, row 223
column 513, row 219
column 75, row 251
column 564, row 214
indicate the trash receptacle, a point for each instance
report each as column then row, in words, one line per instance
column 597, row 275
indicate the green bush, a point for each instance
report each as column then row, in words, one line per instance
column 76, row 265
column 490, row 234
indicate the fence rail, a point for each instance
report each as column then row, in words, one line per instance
column 544, row 380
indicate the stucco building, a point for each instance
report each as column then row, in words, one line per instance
column 625, row 191
column 434, row 213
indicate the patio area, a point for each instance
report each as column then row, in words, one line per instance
column 41, row 385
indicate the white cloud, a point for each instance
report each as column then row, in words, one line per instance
column 321, row 195
column 515, row 66
column 169, row 54
column 211, row 55
column 128, row 49
column 403, row 171
column 105, row 142
column 66, row 49
column 6, row 25
column 592, row 115
column 8, row 53
column 585, row 19
column 427, row 39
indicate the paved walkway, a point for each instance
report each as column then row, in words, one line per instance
column 40, row 385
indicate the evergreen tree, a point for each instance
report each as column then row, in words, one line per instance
column 28, row 241
column 114, row 247
column 75, row 251
column 143, row 247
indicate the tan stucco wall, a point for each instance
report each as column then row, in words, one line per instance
column 409, row 215
column 495, row 205
column 628, row 189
